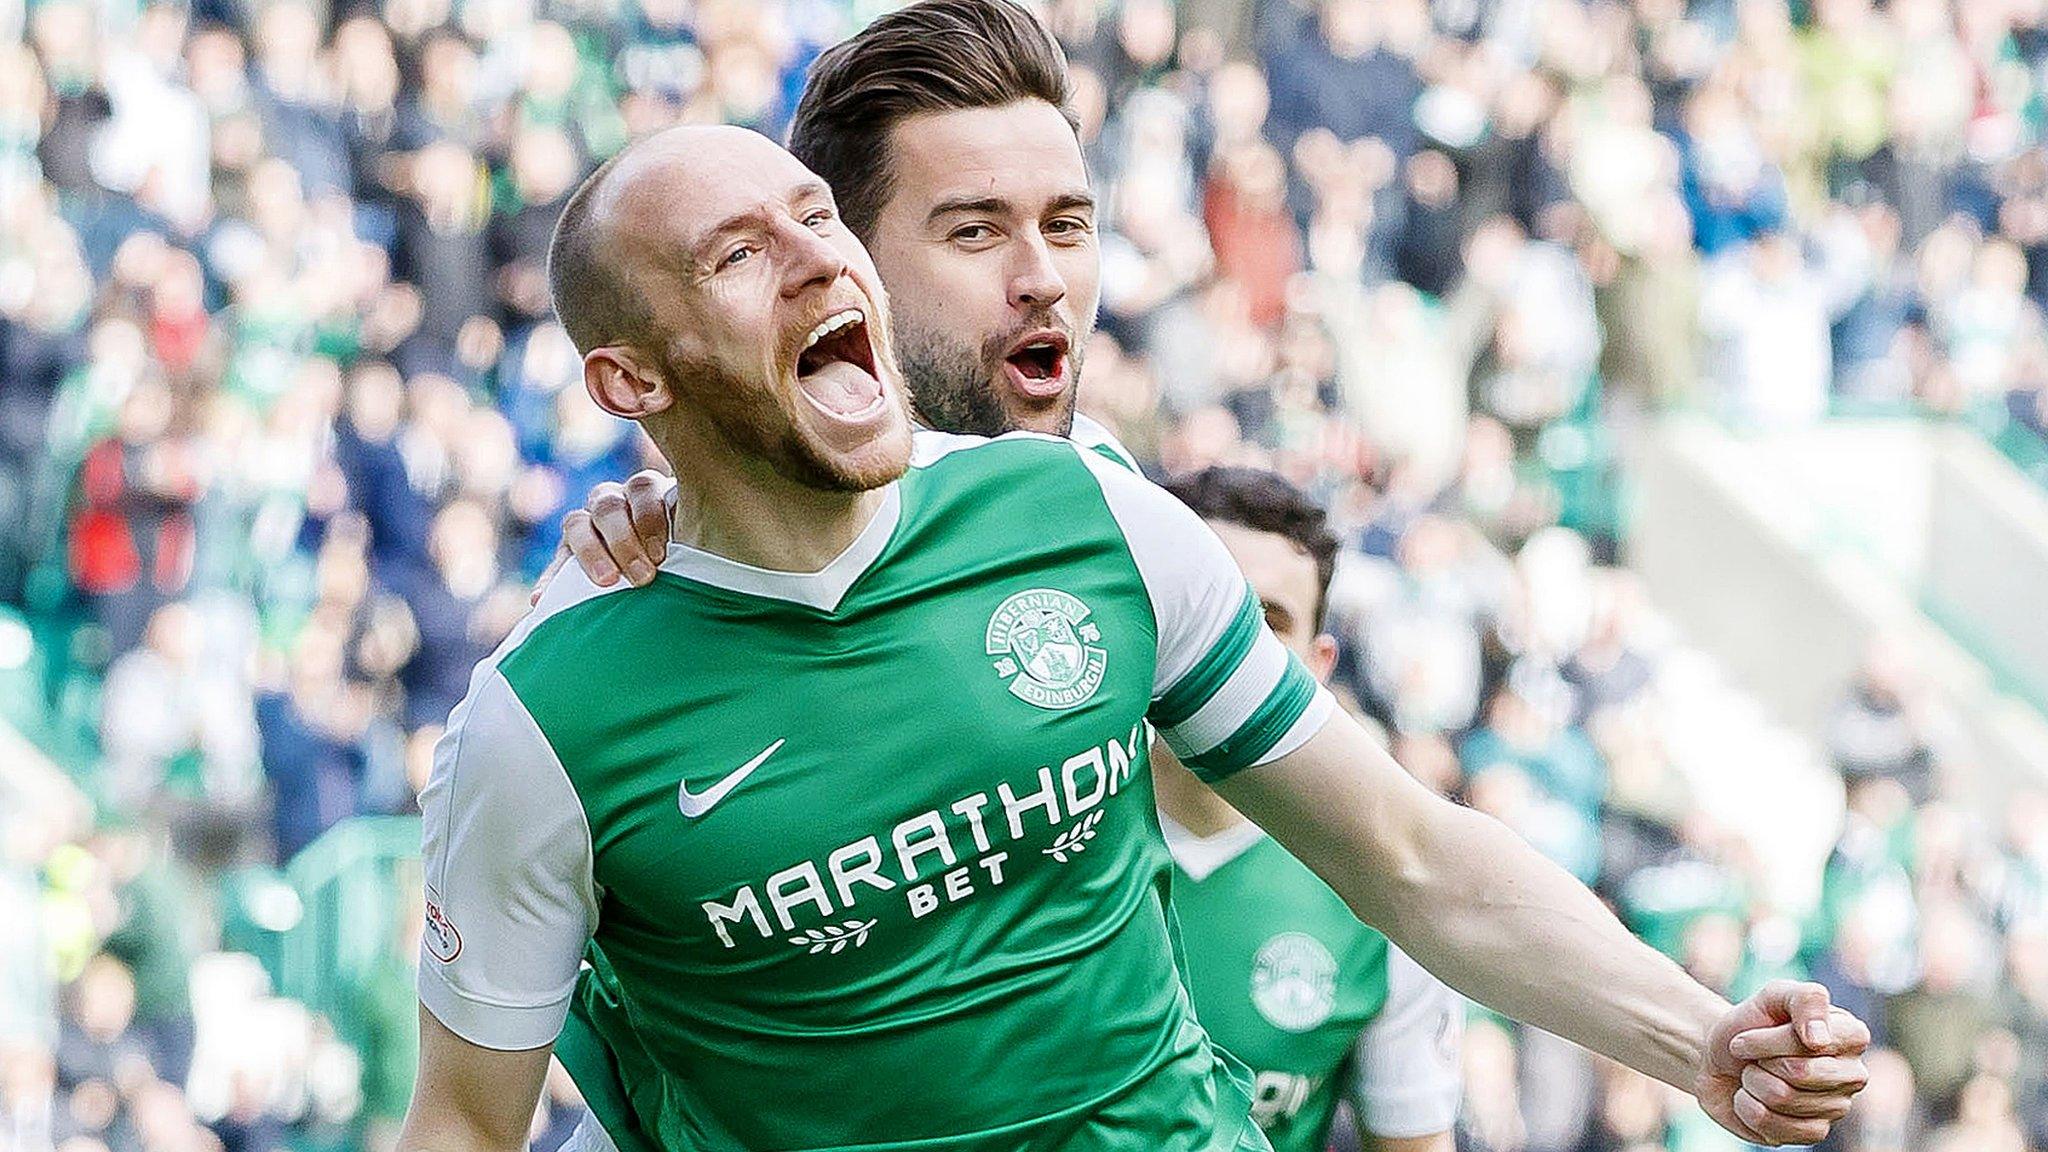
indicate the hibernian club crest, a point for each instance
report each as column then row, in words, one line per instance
column 1294, row 982
column 1045, row 647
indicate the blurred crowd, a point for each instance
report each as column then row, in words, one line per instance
column 286, row 428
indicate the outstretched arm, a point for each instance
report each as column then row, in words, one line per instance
column 1493, row 918
column 1454, row 889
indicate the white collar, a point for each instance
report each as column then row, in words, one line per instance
column 823, row 589
column 1201, row 856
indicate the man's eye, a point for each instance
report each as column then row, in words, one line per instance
column 1066, row 225
column 817, row 217
column 736, row 256
column 973, row 233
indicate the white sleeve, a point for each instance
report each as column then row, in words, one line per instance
column 511, row 901
column 1410, row 1077
column 1226, row 694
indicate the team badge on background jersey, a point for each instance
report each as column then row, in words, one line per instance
column 1294, row 981
column 1045, row 647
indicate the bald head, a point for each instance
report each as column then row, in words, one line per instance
column 696, row 272
column 594, row 292
column 592, row 298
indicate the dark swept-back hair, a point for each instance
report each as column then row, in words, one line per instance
column 1264, row 501
column 932, row 56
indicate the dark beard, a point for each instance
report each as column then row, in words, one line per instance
column 953, row 389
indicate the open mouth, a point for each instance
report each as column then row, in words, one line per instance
column 1038, row 366
column 836, row 366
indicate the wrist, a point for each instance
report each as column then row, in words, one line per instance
column 1691, row 1046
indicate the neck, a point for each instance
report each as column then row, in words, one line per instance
column 1187, row 801
column 745, row 511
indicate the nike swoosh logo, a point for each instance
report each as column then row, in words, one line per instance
column 694, row 806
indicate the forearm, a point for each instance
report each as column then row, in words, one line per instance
column 1493, row 918
column 1477, row 906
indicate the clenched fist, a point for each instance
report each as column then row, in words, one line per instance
column 1783, row 1065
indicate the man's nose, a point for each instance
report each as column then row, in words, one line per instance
column 1035, row 282
column 813, row 260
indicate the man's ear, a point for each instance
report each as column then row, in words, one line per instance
column 622, row 385
column 1322, row 657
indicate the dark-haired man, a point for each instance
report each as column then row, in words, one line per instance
column 948, row 134
column 1014, row 1022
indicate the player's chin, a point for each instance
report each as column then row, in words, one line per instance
column 1039, row 408
column 879, row 463
column 856, row 458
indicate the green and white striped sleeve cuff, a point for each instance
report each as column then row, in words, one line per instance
column 1246, row 702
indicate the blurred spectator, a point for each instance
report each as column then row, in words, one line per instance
column 1984, row 1121
column 443, row 248
column 1730, row 187
column 314, row 729
column 1765, row 316
column 1880, row 731
column 166, row 713
column 1874, row 303
column 132, row 531
column 1936, row 1023
column 460, row 611
column 299, row 126
column 545, row 170
column 1415, row 624
column 1347, row 66
column 1606, row 672
column 1543, row 780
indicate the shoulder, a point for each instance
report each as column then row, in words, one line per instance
column 930, row 450
column 1027, row 467
column 1058, row 481
column 1092, row 435
column 1091, row 448
column 527, row 656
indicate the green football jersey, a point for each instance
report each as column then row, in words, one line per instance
column 868, row 855
column 1320, row 1006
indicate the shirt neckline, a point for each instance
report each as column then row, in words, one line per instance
column 824, row 589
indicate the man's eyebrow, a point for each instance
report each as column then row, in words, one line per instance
column 1064, row 202
column 738, row 221
column 1068, row 201
column 701, row 243
column 953, row 204
column 810, row 190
